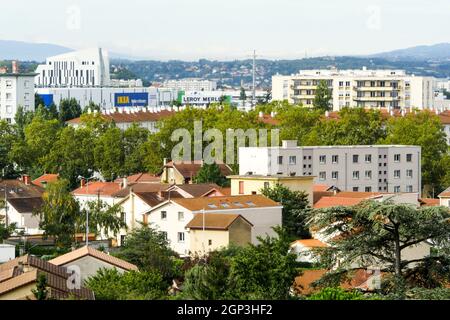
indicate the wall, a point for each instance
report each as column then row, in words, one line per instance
column 21, row 293
column 199, row 240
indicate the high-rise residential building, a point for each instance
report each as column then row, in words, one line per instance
column 367, row 168
column 357, row 88
column 191, row 84
column 16, row 89
column 84, row 68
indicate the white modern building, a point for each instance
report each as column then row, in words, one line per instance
column 357, row 88
column 369, row 168
column 16, row 89
column 121, row 83
column 84, row 68
column 191, row 84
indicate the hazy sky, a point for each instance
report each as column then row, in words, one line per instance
column 228, row 29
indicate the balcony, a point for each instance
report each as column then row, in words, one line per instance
column 376, row 98
column 377, row 88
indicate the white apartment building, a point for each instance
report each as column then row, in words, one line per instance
column 84, row 68
column 368, row 168
column 16, row 89
column 191, row 84
column 357, row 88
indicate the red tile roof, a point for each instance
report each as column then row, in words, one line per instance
column 45, row 178
column 320, row 187
column 98, row 188
column 445, row 193
column 428, row 202
column 310, row 243
column 214, row 221
column 191, row 168
column 329, row 202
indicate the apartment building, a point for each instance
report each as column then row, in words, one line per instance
column 368, row 168
column 16, row 89
column 191, row 84
column 357, row 88
column 84, row 68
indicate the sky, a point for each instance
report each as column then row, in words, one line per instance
column 228, row 29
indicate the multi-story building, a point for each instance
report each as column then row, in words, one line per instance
column 357, row 88
column 369, row 168
column 16, row 89
column 191, row 84
column 84, row 68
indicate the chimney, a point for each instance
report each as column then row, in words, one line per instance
column 124, row 183
column 26, row 179
column 82, row 183
column 15, row 66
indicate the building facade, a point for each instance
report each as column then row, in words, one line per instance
column 16, row 89
column 357, row 88
column 84, row 68
column 385, row 168
column 191, row 84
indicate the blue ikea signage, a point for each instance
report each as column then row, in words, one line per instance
column 134, row 99
column 47, row 98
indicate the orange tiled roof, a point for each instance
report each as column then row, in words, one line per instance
column 214, row 221
column 226, row 203
column 445, row 193
column 89, row 251
column 98, row 187
column 329, row 202
column 310, row 243
column 45, row 178
column 362, row 195
column 320, row 187
column 429, row 202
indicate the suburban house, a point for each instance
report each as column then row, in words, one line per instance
column 45, row 179
column 142, row 177
column 89, row 260
column 21, row 198
column 444, row 198
column 185, row 171
column 18, row 278
column 209, row 231
column 171, row 216
column 96, row 190
column 253, row 184
column 198, row 190
column 304, row 247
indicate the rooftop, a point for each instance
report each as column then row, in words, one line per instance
column 310, row 243
column 45, row 178
column 214, row 221
column 98, row 188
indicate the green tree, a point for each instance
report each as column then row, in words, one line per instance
column 210, row 173
column 41, row 291
column 110, row 284
column 296, row 123
column 134, row 139
column 92, row 106
column 59, row 213
column 69, row 109
column 296, row 208
column 103, row 218
column 22, row 119
column 323, row 96
column 38, row 101
column 7, row 139
column 336, row 294
column 377, row 233
column 422, row 128
column 149, row 249
column 109, row 154
column 6, row 231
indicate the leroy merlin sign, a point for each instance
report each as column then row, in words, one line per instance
column 202, row 97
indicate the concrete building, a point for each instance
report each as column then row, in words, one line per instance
column 370, row 168
column 16, row 89
column 84, row 68
column 357, row 88
column 191, row 84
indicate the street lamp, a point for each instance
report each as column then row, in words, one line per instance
column 87, row 211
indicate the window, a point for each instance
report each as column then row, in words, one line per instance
column 409, row 188
column 292, row 160
column 355, row 189
column 8, row 83
column 355, row 158
column 26, row 84
column 322, row 175
column 122, row 239
column 180, row 216
column 163, row 215
column 347, row 83
column 409, row 173
column 8, row 96
column 397, row 189
column 335, row 158
column 409, row 157
column 280, row 159
column 266, row 185
column 241, row 187
column 123, row 217
column 334, row 175
column 368, row 174
column 180, row 236
column 356, row 175
column 396, row 157
column 368, row 158
column 209, row 242
column 322, row 159
column 397, row 174
column 368, row 189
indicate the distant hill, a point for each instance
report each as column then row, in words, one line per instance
column 26, row 51
column 440, row 51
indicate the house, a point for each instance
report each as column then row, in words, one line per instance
column 253, row 184
column 209, row 231
column 89, row 260
column 444, row 198
column 198, row 190
column 23, row 198
column 45, row 179
column 96, row 190
column 184, row 172
column 303, row 249
column 142, row 177
column 172, row 215
column 7, row 252
column 18, row 278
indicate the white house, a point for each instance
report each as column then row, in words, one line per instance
column 172, row 216
column 444, row 198
column 303, row 249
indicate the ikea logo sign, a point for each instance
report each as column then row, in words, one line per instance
column 134, row 99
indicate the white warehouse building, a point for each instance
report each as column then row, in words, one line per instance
column 84, row 68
